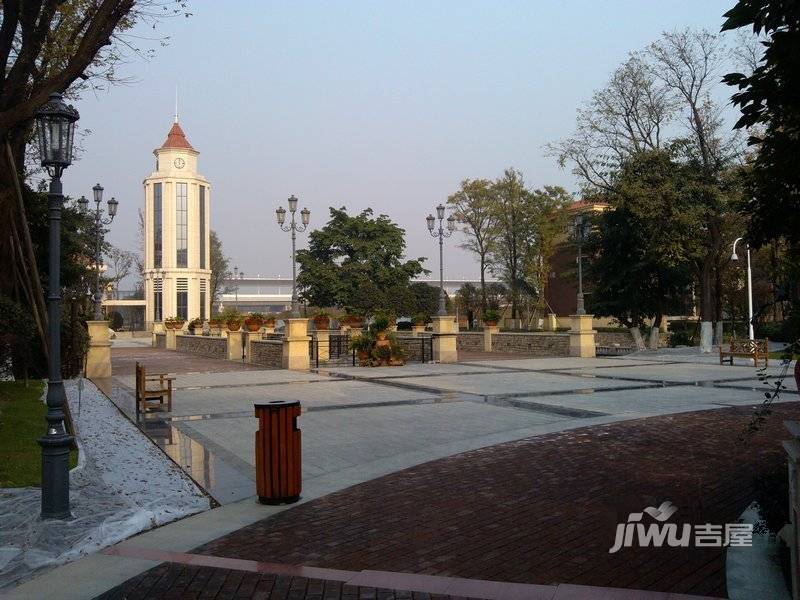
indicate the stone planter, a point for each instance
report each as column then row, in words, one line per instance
column 253, row 325
column 234, row 325
column 353, row 321
column 492, row 323
column 322, row 323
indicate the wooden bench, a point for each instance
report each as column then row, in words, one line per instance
column 746, row 349
column 150, row 388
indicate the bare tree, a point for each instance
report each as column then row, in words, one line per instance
column 473, row 204
column 629, row 115
column 122, row 262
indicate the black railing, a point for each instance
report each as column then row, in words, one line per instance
column 336, row 345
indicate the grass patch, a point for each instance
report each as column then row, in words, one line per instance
column 22, row 423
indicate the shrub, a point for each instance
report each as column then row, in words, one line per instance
column 491, row 315
column 777, row 331
column 17, row 339
column 230, row 314
column 680, row 338
column 115, row 320
column 404, row 325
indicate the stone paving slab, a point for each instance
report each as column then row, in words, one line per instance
column 685, row 373
column 540, row 510
column 641, row 403
column 511, row 382
column 334, row 393
column 338, row 440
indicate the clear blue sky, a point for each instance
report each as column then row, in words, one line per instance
column 362, row 104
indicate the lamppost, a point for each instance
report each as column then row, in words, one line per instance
column 441, row 234
column 236, row 285
column 579, row 231
column 55, row 124
column 305, row 216
column 749, row 288
column 99, row 223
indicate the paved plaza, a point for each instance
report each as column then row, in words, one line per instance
column 512, row 470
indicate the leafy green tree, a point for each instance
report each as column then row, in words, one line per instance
column 548, row 224
column 357, row 262
column 426, row 299
column 473, row 205
column 768, row 99
column 470, row 301
column 643, row 249
column 511, row 206
column 220, row 267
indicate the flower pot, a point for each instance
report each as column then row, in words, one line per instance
column 491, row 323
column 234, row 325
column 353, row 321
column 322, row 323
column 253, row 325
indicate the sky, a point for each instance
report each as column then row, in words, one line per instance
column 382, row 105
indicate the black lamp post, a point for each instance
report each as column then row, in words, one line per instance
column 55, row 124
column 441, row 234
column 99, row 223
column 579, row 231
column 305, row 217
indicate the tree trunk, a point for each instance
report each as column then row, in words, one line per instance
column 483, row 283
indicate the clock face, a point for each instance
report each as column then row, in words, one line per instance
column 179, row 163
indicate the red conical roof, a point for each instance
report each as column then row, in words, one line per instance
column 176, row 138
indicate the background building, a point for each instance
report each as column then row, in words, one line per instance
column 176, row 233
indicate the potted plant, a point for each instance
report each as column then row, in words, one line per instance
column 491, row 317
column 269, row 321
column 194, row 325
column 254, row 321
column 232, row 318
column 362, row 345
column 353, row 319
column 322, row 320
column 174, row 323
column 379, row 327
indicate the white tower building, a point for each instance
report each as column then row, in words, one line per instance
column 176, row 234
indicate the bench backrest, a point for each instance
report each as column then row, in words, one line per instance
column 747, row 346
column 140, row 378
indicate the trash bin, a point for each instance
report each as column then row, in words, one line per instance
column 278, row 452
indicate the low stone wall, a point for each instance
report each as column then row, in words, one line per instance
column 532, row 344
column 268, row 353
column 273, row 336
column 161, row 341
column 470, row 342
column 413, row 347
column 213, row 347
column 623, row 339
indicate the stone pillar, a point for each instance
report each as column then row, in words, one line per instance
column 172, row 339
column 444, row 340
column 235, row 339
column 792, row 448
column 581, row 337
column 550, row 322
column 323, row 342
column 417, row 330
column 98, row 359
column 295, row 345
column 488, row 332
column 158, row 327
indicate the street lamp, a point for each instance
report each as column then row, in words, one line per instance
column 55, row 125
column 99, row 223
column 579, row 231
column 441, row 234
column 236, row 284
column 749, row 287
column 305, row 217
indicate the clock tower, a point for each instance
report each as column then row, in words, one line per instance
column 177, row 261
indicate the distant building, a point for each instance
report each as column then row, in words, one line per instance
column 177, row 257
column 561, row 293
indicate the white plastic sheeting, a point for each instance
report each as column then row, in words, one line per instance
column 122, row 485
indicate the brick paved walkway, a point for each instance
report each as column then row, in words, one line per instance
column 123, row 362
column 541, row 510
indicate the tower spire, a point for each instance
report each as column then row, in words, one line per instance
column 176, row 103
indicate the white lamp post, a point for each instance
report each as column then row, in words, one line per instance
column 749, row 288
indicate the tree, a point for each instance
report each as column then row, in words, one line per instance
column 121, row 265
column 642, row 266
column 511, row 206
column 496, row 295
column 470, row 300
column 220, row 268
column 426, row 299
column 473, row 204
column 51, row 46
column 548, row 224
column 768, row 100
column 357, row 262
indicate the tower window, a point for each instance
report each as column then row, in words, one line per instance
column 181, row 220
column 202, row 227
column 157, row 227
column 182, row 299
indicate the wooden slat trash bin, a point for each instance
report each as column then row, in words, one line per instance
column 278, row 452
